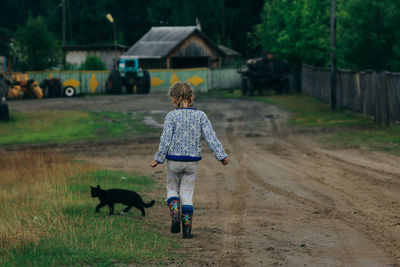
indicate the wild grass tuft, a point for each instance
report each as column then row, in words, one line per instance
column 47, row 215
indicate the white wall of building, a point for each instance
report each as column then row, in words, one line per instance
column 107, row 56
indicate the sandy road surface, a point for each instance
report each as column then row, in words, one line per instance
column 284, row 200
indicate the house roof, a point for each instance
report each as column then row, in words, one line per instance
column 160, row 41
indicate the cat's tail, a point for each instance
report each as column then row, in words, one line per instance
column 148, row 205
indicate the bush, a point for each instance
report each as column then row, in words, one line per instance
column 93, row 62
column 35, row 47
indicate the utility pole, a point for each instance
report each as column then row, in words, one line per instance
column 111, row 20
column 63, row 23
column 333, row 54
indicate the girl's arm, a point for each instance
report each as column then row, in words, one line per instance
column 212, row 141
column 165, row 140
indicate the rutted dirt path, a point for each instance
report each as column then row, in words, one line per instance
column 284, row 200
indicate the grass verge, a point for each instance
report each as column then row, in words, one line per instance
column 48, row 215
column 341, row 127
column 69, row 126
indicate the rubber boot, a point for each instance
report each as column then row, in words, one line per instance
column 173, row 204
column 187, row 224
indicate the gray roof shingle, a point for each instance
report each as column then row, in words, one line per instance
column 159, row 41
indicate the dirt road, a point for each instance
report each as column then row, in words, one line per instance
column 284, row 200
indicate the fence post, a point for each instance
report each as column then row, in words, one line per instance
column 381, row 103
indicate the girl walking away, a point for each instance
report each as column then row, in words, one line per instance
column 180, row 144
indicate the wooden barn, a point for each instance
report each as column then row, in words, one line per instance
column 176, row 47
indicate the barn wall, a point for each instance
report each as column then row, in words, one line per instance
column 93, row 82
column 196, row 46
column 107, row 56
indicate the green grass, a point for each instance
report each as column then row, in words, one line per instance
column 307, row 111
column 67, row 230
column 69, row 126
column 341, row 127
column 312, row 112
column 382, row 139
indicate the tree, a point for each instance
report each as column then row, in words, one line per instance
column 368, row 35
column 296, row 30
column 225, row 22
column 35, row 48
column 5, row 37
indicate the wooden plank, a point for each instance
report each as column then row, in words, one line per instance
column 381, row 110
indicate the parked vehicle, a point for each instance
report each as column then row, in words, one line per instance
column 128, row 74
column 22, row 87
column 52, row 87
column 265, row 73
column 4, row 111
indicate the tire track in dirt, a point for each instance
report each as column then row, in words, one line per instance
column 231, row 254
column 378, row 223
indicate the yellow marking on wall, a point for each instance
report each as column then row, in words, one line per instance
column 93, row 83
column 72, row 82
column 188, row 69
column 156, row 81
column 51, row 75
column 195, row 80
column 174, row 78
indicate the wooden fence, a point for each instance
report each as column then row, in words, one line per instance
column 368, row 92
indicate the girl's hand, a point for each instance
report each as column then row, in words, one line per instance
column 225, row 161
column 154, row 163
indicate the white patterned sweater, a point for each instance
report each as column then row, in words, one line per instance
column 181, row 137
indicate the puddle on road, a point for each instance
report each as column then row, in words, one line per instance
column 152, row 122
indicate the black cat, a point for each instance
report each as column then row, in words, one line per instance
column 127, row 197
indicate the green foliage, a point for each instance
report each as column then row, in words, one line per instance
column 92, row 62
column 299, row 31
column 368, row 35
column 69, row 126
column 35, row 47
column 5, row 37
column 225, row 22
column 296, row 30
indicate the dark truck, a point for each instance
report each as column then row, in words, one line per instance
column 265, row 73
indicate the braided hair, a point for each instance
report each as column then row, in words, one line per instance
column 182, row 91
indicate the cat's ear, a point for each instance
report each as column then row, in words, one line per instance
column 91, row 187
column 98, row 186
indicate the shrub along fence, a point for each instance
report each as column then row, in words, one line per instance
column 368, row 92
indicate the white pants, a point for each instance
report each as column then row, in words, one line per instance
column 180, row 180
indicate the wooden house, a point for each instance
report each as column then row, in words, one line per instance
column 176, row 47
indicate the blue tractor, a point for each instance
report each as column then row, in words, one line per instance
column 128, row 74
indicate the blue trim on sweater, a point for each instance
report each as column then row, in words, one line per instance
column 187, row 209
column 182, row 158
